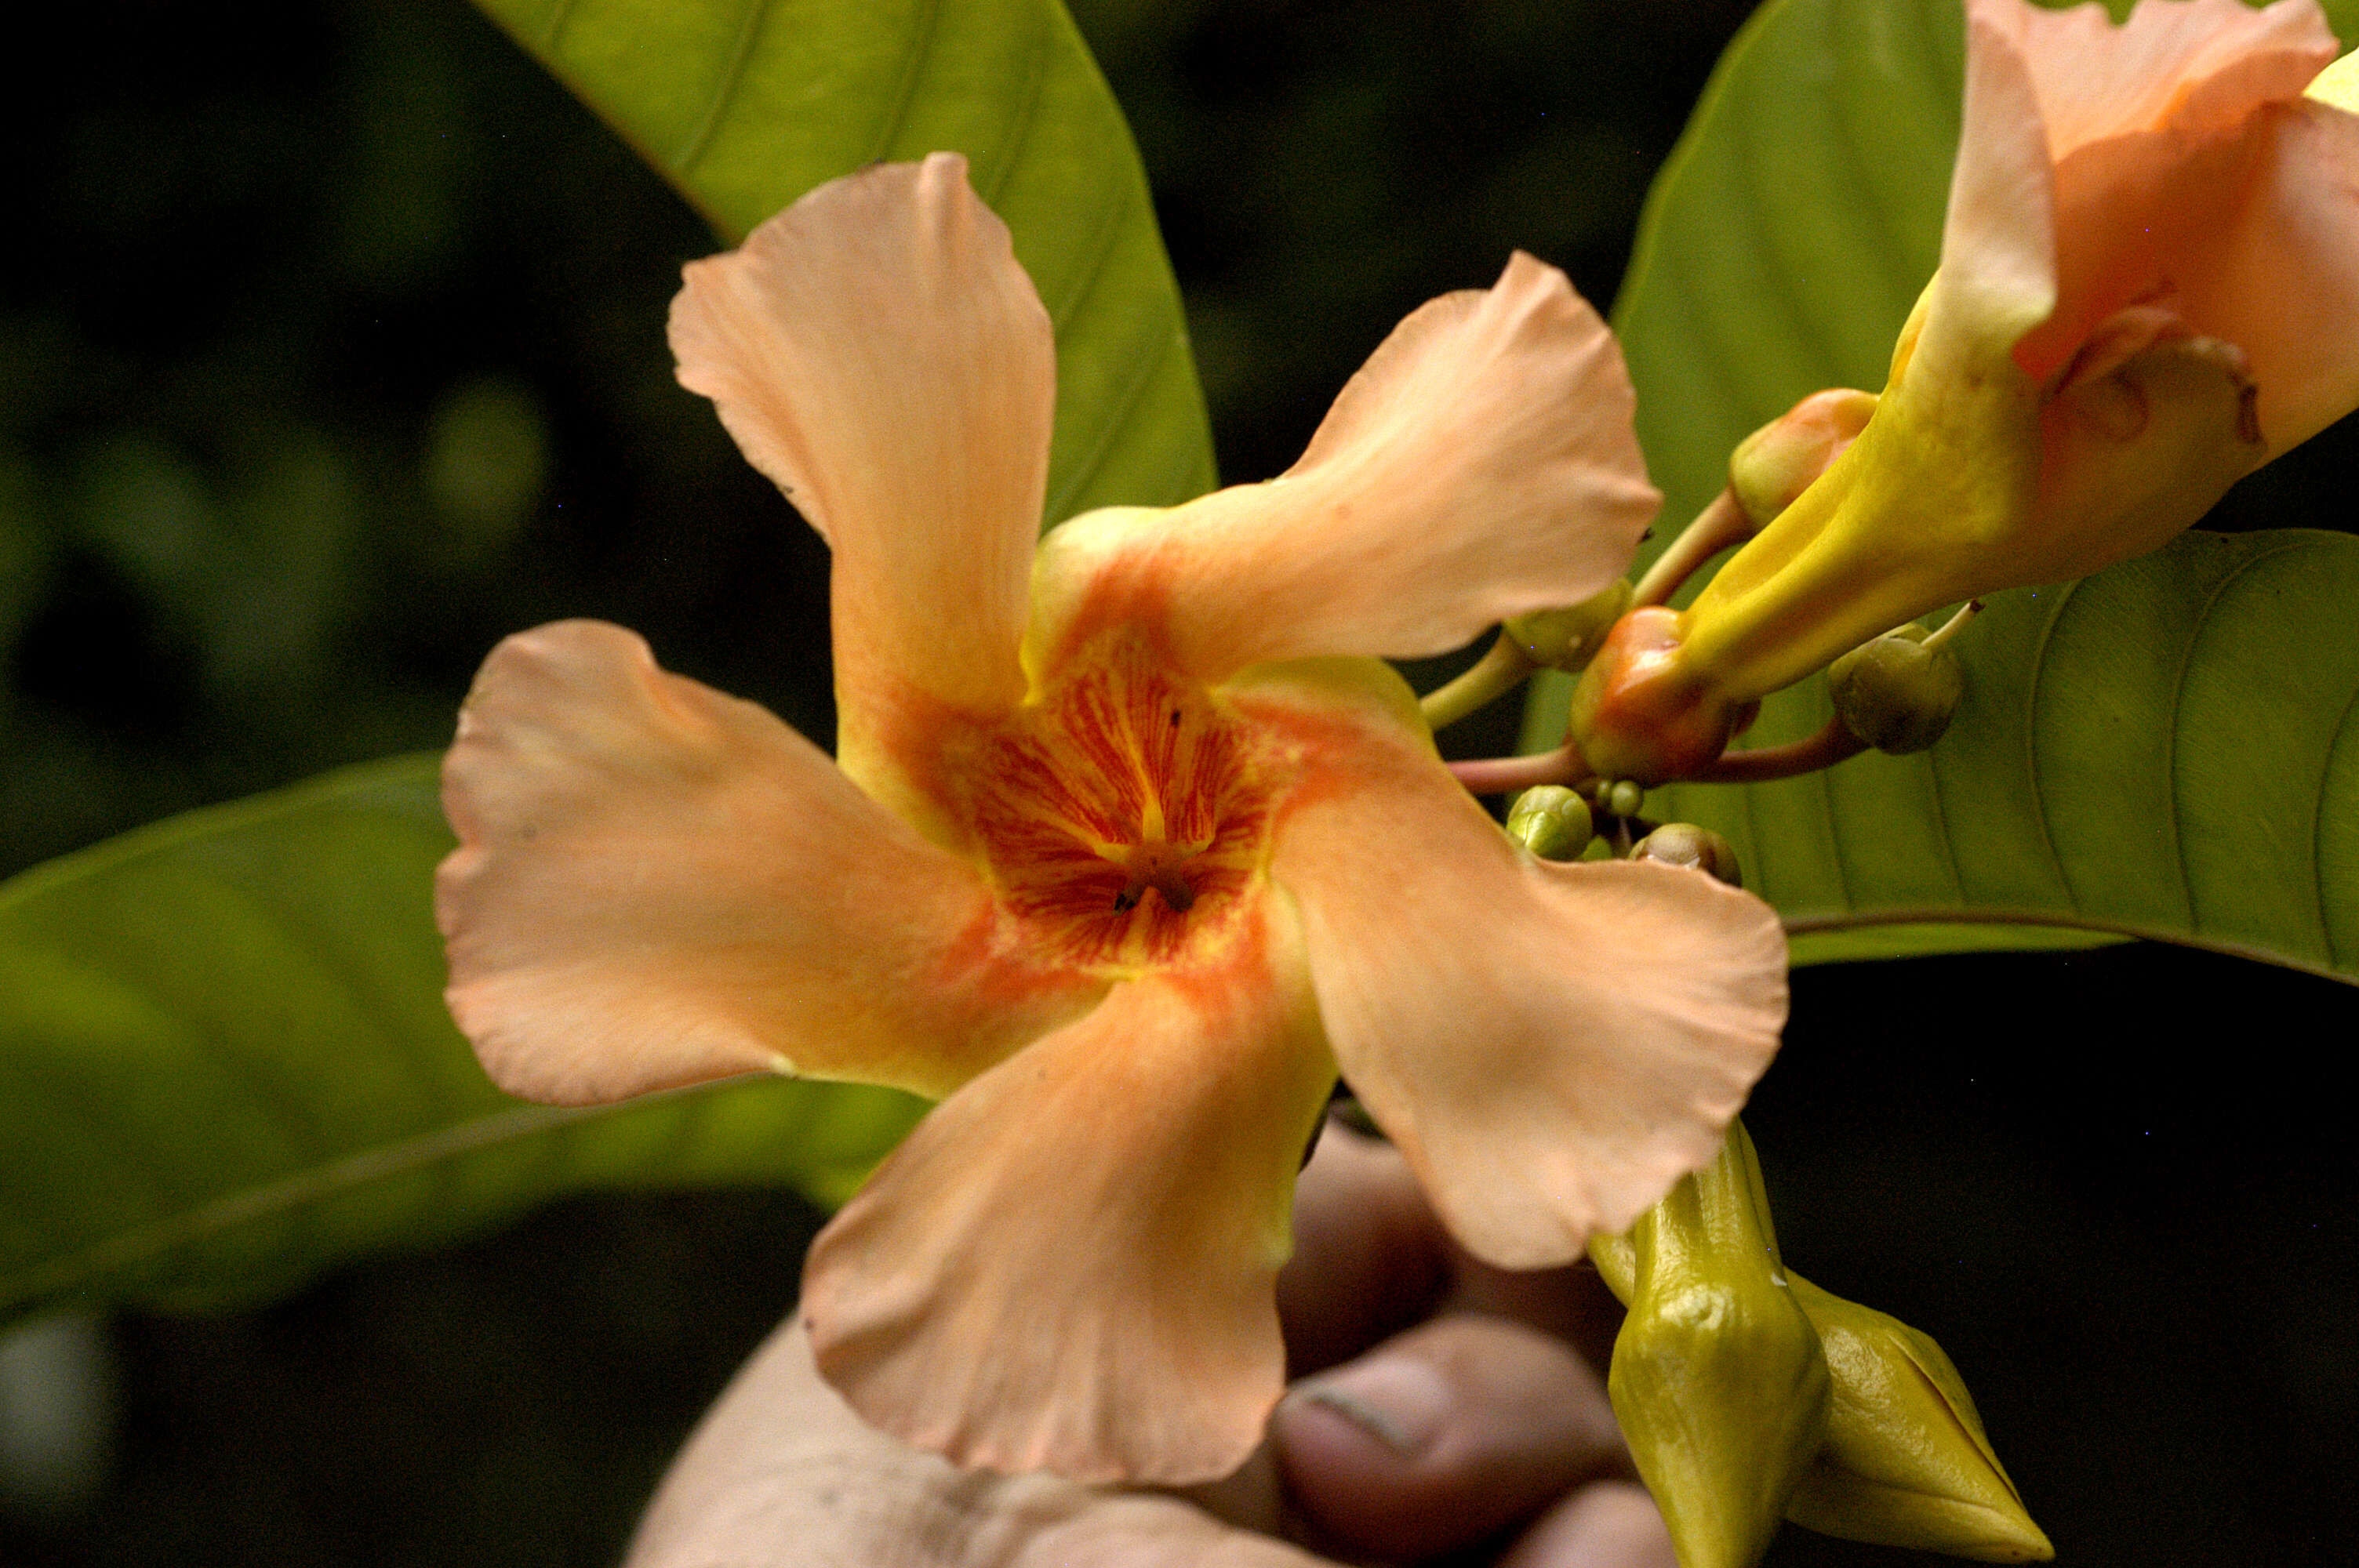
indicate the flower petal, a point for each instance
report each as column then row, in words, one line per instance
column 2192, row 66
column 1997, row 277
column 2189, row 173
column 1482, row 464
column 2281, row 281
column 657, row 884
column 877, row 350
column 2133, row 456
column 1070, row 1264
column 1551, row 1047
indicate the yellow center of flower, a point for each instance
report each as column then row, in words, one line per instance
column 1122, row 812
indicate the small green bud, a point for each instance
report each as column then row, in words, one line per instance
column 1775, row 464
column 1906, row 1461
column 1895, row 693
column 1685, row 844
column 1718, row 1378
column 1568, row 639
column 1551, row 821
column 1621, row 799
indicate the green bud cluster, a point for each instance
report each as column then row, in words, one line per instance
column 1751, row 1394
column 1618, row 797
column 1552, row 822
column 1897, row 694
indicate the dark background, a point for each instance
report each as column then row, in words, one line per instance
column 330, row 351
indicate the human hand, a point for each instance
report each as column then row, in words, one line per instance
column 1439, row 1406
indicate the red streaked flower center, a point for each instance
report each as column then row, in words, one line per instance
column 1123, row 813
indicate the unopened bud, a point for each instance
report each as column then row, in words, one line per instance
column 1551, row 821
column 1568, row 639
column 1639, row 712
column 1906, row 1461
column 1685, row 844
column 1775, row 464
column 1623, row 797
column 1897, row 694
column 1718, row 1378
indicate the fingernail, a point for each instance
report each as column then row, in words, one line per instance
column 1399, row 1400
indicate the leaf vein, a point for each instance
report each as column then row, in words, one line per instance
column 310, row 1186
column 559, row 16
column 2195, row 634
column 1118, row 418
column 1019, row 132
column 904, row 91
column 749, row 28
column 2318, row 827
column 2033, row 676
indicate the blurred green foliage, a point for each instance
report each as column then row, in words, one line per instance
column 339, row 355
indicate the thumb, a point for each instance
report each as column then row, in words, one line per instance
column 1444, row 1436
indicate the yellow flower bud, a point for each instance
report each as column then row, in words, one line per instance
column 1568, row 639
column 1906, row 1461
column 1776, row 463
column 1896, row 693
column 1718, row 1378
column 1552, row 822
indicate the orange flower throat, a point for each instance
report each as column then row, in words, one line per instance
column 1124, row 812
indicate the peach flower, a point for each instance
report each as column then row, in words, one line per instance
column 1131, row 841
column 2149, row 287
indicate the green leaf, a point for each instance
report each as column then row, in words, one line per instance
column 2146, row 754
column 225, row 1065
column 745, row 105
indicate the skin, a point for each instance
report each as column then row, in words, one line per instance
column 1439, row 1407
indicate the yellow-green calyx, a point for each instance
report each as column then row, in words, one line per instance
column 1568, row 639
column 1718, row 1378
column 1897, row 692
column 1901, row 1458
column 1552, row 822
column 1906, row 1461
column 1971, row 477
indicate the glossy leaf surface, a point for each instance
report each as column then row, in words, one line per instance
column 224, row 1064
column 744, row 105
column 2151, row 753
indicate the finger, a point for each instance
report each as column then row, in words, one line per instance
column 1571, row 1303
column 781, row 1471
column 1369, row 1257
column 1613, row 1524
column 1132, row 1529
column 1444, row 1436
column 783, row 1475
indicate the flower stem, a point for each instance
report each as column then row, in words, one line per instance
column 1954, row 625
column 1824, row 750
column 1714, row 529
column 1503, row 775
column 1492, row 676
